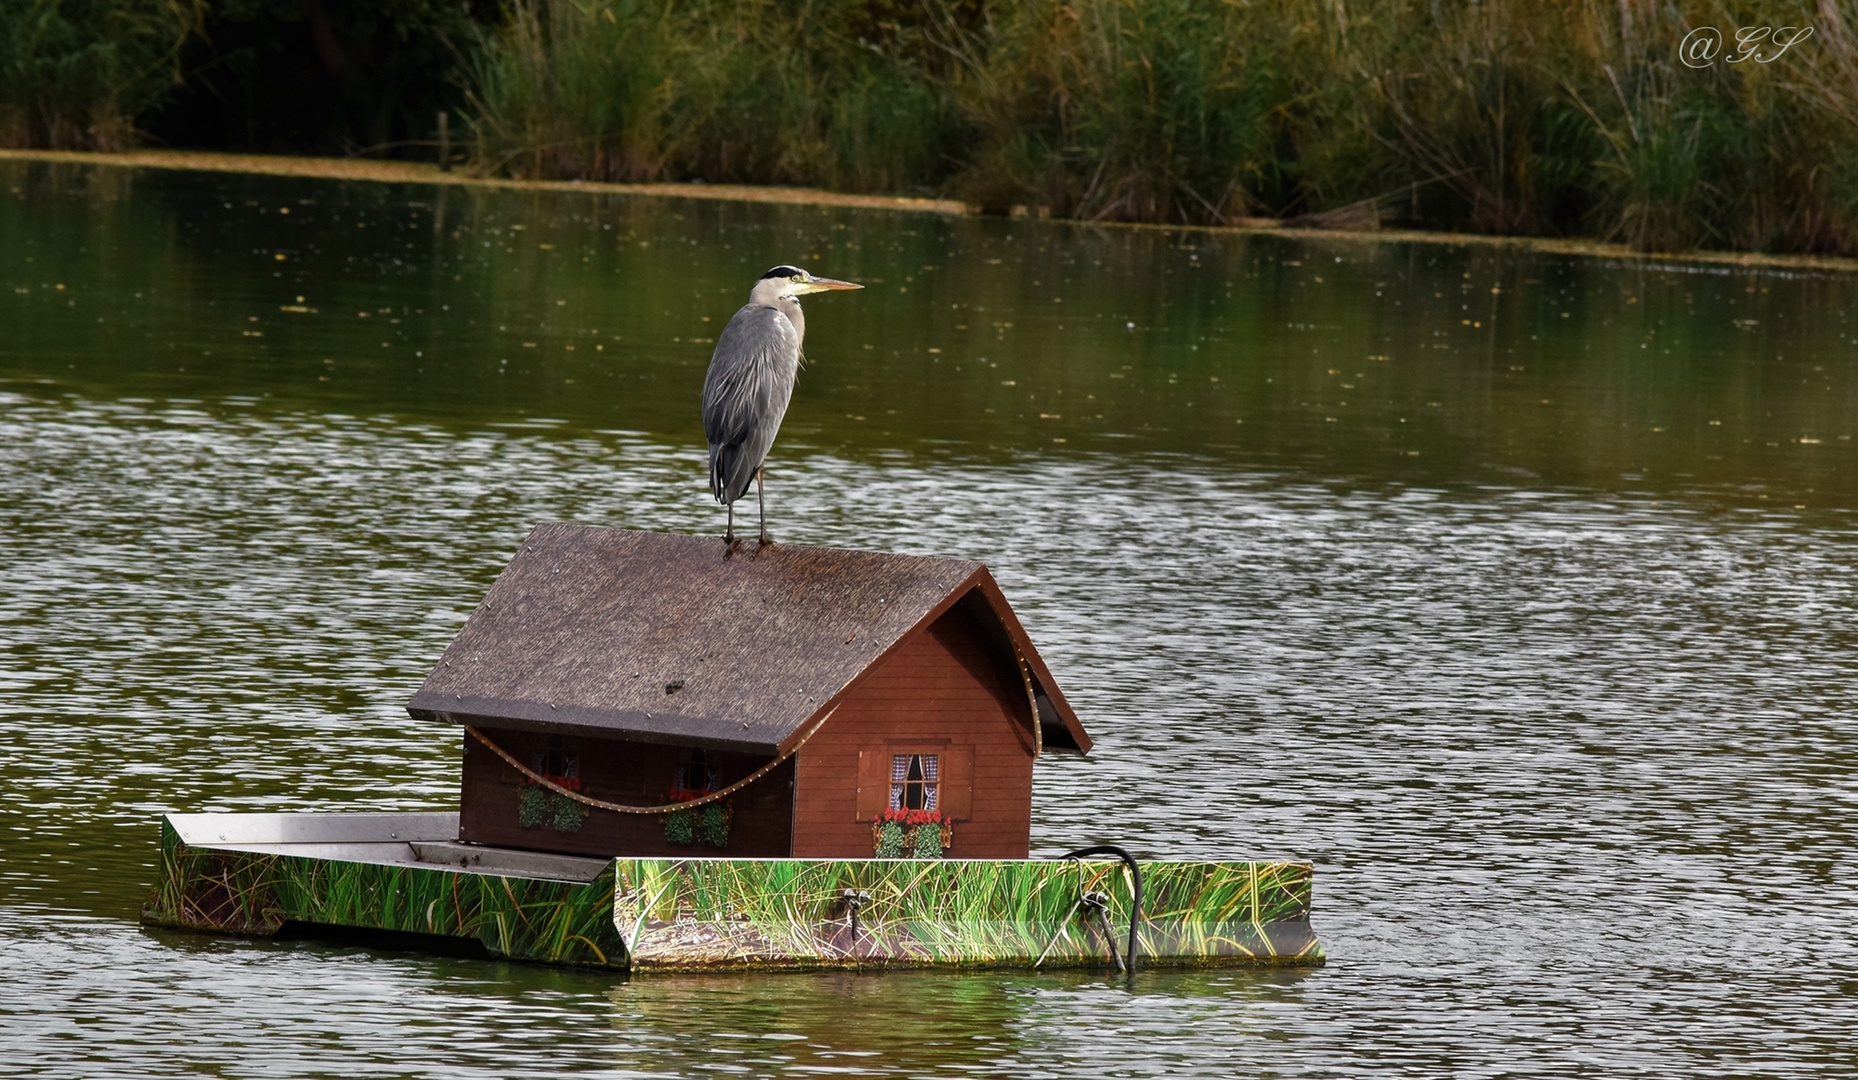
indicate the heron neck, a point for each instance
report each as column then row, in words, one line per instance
column 767, row 292
column 790, row 307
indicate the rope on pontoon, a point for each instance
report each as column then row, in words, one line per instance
column 1135, row 912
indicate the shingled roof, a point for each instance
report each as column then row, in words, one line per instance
column 661, row 638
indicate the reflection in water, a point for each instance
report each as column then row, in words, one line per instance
column 976, row 338
column 911, row 1024
column 1556, row 705
column 173, row 1003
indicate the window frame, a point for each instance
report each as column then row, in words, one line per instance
column 929, row 764
column 955, row 796
column 685, row 770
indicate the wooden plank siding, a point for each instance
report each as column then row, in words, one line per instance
column 628, row 773
column 946, row 690
column 943, row 690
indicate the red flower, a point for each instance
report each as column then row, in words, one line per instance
column 909, row 819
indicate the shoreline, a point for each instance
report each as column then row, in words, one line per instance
column 406, row 172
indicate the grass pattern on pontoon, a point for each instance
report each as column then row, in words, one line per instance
column 706, row 913
column 250, row 893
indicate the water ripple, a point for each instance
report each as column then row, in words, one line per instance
column 1576, row 770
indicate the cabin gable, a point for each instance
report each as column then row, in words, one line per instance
column 945, row 691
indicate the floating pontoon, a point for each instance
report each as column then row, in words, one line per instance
column 679, row 756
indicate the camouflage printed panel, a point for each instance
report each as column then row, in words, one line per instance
column 696, row 914
column 520, row 918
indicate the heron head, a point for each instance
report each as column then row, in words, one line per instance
column 792, row 281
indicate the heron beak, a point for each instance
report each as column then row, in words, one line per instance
column 826, row 284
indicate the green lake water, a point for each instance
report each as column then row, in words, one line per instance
column 1514, row 591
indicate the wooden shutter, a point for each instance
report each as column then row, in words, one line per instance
column 957, row 796
column 873, row 782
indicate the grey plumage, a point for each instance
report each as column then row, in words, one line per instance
column 746, row 393
column 751, row 380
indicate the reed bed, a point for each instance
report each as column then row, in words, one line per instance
column 838, row 96
column 1554, row 118
column 1557, row 118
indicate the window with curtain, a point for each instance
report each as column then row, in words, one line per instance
column 914, row 781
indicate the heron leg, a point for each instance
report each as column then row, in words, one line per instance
column 729, row 533
column 762, row 502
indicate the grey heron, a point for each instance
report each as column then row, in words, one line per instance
column 750, row 380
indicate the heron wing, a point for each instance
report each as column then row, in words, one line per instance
column 745, row 394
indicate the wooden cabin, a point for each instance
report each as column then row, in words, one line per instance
column 645, row 669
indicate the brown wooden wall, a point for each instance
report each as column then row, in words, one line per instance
column 943, row 691
column 629, row 773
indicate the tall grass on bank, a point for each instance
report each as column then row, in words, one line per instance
column 1556, row 117
column 1525, row 117
column 74, row 74
column 1155, row 111
column 1578, row 118
column 748, row 90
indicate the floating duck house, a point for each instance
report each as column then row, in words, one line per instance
column 684, row 757
column 819, row 687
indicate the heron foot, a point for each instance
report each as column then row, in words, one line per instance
column 765, row 540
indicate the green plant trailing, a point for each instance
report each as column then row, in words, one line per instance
column 707, row 824
column 713, row 826
column 568, row 815
column 532, row 806
column 915, row 834
column 537, row 806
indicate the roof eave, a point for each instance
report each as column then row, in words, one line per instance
column 667, row 728
column 1041, row 674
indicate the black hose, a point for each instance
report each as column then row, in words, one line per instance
column 1135, row 913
